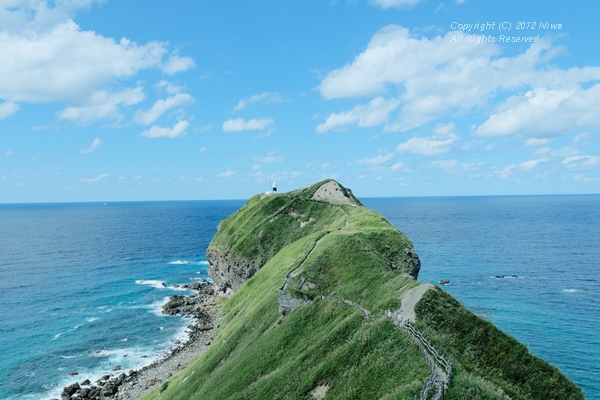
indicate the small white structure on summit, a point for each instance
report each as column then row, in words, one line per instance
column 274, row 187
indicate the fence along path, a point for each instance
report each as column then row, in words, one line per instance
column 438, row 380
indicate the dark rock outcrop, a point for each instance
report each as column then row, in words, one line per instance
column 228, row 272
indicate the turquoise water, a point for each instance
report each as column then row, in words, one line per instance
column 81, row 287
column 81, row 284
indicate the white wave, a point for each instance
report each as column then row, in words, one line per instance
column 156, row 307
column 57, row 336
column 124, row 340
column 179, row 262
column 204, row 263
column 67, row 356
column 154, row 284
column 572, row 290
column 92, row 319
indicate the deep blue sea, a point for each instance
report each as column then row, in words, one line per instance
column 81, row 285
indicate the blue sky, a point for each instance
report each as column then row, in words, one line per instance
column 156, row 100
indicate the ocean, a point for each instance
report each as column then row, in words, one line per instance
column 82, row 284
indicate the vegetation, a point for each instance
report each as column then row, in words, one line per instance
column 327, row 346
column 488, row 362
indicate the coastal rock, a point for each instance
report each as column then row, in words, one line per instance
column 172, row 306
column 73, row 373
column 444, row 282
column 70, row 390
column 86, row 382
column 117, row 368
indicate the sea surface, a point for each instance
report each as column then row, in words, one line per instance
column 82, row 284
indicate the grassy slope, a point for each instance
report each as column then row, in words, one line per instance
column 485, row 357
column 257, row 354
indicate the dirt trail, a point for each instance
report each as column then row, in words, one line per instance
column 410, row 298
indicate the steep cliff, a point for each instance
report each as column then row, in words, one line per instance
column 262, row 227
column 316, row 283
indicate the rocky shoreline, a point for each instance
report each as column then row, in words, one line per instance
column 201, row 308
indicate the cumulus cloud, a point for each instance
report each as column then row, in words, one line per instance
column 438, row 77
column 93, row 180
column 160, row 107
column 441, row 142
column 48, row 58
column 364, row 115
column 169, row 87
column 179, row 129
column 240, row 124
column 176, row 64
column 66, row 64
column 257, row 98
column 545, row 112
column 8, row 108
column 385, row 4
column 97, row 142
column 102, row 105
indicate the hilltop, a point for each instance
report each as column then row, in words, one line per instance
column 311, row 283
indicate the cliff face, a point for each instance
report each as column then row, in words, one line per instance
column 229, row 273
column 268, row 223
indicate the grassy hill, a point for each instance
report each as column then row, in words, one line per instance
column 350, row 266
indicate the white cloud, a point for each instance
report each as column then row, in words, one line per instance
column 397, row 166
column 102, row 105
column 66, row 64
column 581, row 162
column 93, row 180
column 441, row 142
column 179, row 129
column 364, row 115
column 438, row 77
column 169, row 87
column 264, row 135
column 226, row 174
column 203, row 150
column 177, row 64
column 270, row 157
column 205, row 128
column 583, row 137
column 533, row 142
column 257, row 98
column 585, row 179
column 385, row 4
column 8, row 153
column 530, row 164
column 380, row 159
column 240, row 124
column 160, row 107
column 97, row 142
column 545, row 112
column 565, row 151
column 455, row 167
column 8, row 108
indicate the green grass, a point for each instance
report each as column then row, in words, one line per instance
column 357, row 254
column 477, row 348
column 326, row 342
